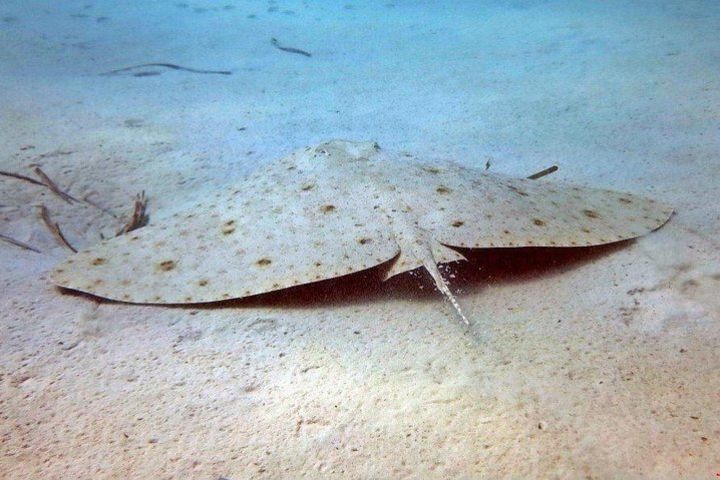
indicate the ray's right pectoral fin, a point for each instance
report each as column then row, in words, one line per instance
column 443, row 254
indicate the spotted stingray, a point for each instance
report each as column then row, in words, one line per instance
column 343, row 207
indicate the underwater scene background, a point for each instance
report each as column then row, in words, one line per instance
column 593, row 364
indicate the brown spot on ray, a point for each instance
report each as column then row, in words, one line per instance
column 166, row 265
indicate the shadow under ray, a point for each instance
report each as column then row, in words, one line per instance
column 497, row 266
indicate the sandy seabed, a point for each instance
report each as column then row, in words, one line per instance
column 595, row 364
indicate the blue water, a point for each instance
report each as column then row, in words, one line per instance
column 520, row 80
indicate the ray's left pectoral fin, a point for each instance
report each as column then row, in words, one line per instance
column 401, row 264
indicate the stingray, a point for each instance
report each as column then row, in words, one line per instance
column 342, row 207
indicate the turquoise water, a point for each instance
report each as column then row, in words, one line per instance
column 519, row 80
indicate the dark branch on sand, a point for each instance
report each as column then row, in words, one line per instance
column 53, row 187
column 66, row 196
column 139, row 216
column 21, row 177
column 171, row 66
column 45, row 181
column 542, row 173
column 54, row 228
column 277, row 45
column 18, row 243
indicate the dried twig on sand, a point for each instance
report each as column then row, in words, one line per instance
column 276, row 44
column 46, row 182
column 139, row 216
column 53, row 187
column 21, row 177
column 18, row 243
column 171, row 66
column 542, row 173
column 54, row 228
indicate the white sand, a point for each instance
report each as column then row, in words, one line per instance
column 600, row 365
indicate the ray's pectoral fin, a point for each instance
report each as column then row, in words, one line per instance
column 403, row 263
column 443, row 254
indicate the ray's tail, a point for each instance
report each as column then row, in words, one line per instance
column 434, row 272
